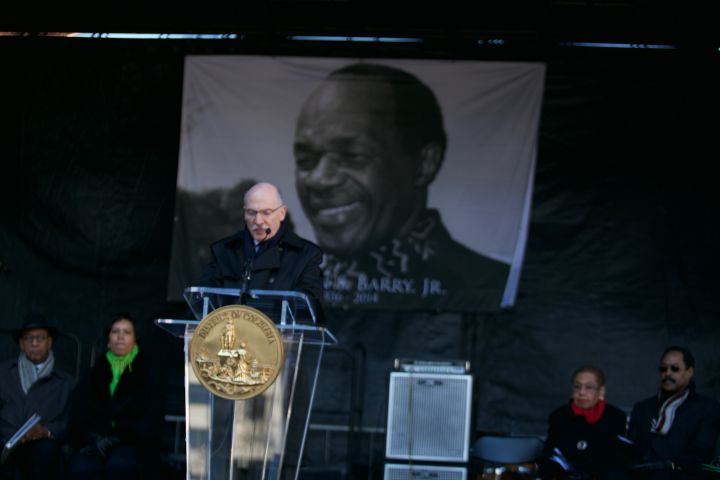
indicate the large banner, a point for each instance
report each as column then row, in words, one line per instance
column 414, row 176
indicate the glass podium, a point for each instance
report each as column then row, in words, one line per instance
column 262, row 437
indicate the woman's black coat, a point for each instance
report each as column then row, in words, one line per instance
column 134, row 414
column 590, row 448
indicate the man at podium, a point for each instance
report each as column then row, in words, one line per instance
column 265, row 255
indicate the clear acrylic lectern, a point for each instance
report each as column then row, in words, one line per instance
column 262, row 437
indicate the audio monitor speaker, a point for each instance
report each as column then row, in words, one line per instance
column 420, row 472
column 429, row 417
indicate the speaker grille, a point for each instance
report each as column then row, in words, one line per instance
column 429, row 417
column 422, row 472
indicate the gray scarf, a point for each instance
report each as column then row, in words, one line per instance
column 29, row 374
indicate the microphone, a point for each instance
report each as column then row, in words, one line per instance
column 246, row 275
column 247, row 272
column 267, row 232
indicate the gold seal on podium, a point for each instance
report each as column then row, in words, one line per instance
column 236, row 352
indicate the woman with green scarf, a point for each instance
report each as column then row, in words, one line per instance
column 116, row 412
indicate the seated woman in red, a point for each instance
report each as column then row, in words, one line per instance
column 583, row 436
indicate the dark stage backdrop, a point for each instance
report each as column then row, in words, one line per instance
column 622, row 257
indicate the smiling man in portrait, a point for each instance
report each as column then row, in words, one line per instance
column 368, row 142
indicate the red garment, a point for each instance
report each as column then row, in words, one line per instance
column 593, row 414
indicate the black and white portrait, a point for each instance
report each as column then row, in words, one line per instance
column 414, row 176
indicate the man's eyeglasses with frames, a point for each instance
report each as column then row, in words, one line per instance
column 250, row 213
column 665, row 368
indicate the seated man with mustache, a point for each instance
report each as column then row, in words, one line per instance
column 368, row 143
column 676, row 430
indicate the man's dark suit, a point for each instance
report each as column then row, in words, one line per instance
column 689, row 443
column 291, row 263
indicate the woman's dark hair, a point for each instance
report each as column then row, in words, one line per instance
column 599, row 375
column 121, row 316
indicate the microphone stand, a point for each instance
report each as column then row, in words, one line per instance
column 247, row 274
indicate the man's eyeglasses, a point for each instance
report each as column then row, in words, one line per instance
column 250, row 213
column 665, row 368
column 31, row 338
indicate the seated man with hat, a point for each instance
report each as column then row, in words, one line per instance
column 30, row 384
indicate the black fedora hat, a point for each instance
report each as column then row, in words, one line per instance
column 34, row 320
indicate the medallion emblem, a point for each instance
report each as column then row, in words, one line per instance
column 236, row 352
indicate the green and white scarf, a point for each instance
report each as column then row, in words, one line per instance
column 118, row 364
